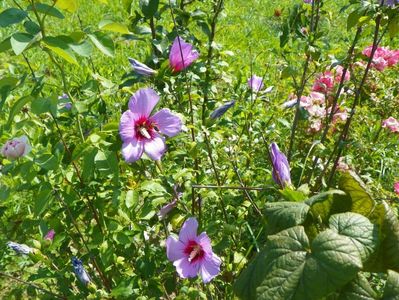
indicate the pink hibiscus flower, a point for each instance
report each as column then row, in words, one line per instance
column 141, row 132
column 391, row 123
column 396, row 187
column 192, row 254
column 179, row 59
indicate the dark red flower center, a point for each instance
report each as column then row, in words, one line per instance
column 194, row 251
column 144, row 129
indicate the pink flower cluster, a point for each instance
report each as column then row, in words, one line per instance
column 317, row 103
column 383, row 57
column 392, row 124
column 326, row 81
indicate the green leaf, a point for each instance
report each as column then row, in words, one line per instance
column 107, row 163
column 297, row 272
column 84, row 48
column 149, row 7
column 5, row 45
column 60, row 47
column 132, row 198
column 353, row 19
column 20, row 41
column 47, row 10
column 250, row 278
column 32, row 27
column 44, row 105
column 7, row 84
column 362, row 202
column 390, row 244
column 282, row 215
column 88, row 164
column 391, row 290
column 362, row 233
column 393, row 27
column 358, row 289
column 16, row 108
column 103, row 42
column 292, row 195
column 47, row 161
column 153, row 187
column 68, row 5
column 110, row 25
column 325, row 204
column 12, row 16
column 42, row 199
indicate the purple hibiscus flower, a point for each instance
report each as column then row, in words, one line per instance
column 179, row 59
column 141, row 68
column 141, row 132
column 255, row 83
column 192, row 254
column 281, row 168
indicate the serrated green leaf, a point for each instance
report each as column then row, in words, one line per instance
column 12, row 16
column 325, row 204
column 358, row 289
column 250, row 278
column 296, row 270
column 362, row 202
column 391, row 290
column 362, row 233
column 282, row 215
column 390, row 244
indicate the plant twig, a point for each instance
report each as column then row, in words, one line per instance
column 33, row 285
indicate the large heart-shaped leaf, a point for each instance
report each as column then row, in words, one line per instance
column 391, row 291
column 250, row 278
column 358, row 289
column 325, row 204
column 297, row 271
column 362, row 233
column 390, row 244
column 362, row 202
column 282, row 215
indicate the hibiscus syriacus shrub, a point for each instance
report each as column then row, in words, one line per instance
column 199, row 149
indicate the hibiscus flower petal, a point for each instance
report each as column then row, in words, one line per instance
column 132, row 150
column 155, row 147
column 126, row 126
column 185, row 269
column 167, row 122
column 210, row 267
column 174, row 249
column 188, row 232
column 143, row 102
column 205, row 242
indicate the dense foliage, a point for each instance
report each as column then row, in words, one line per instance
column 199, row 149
